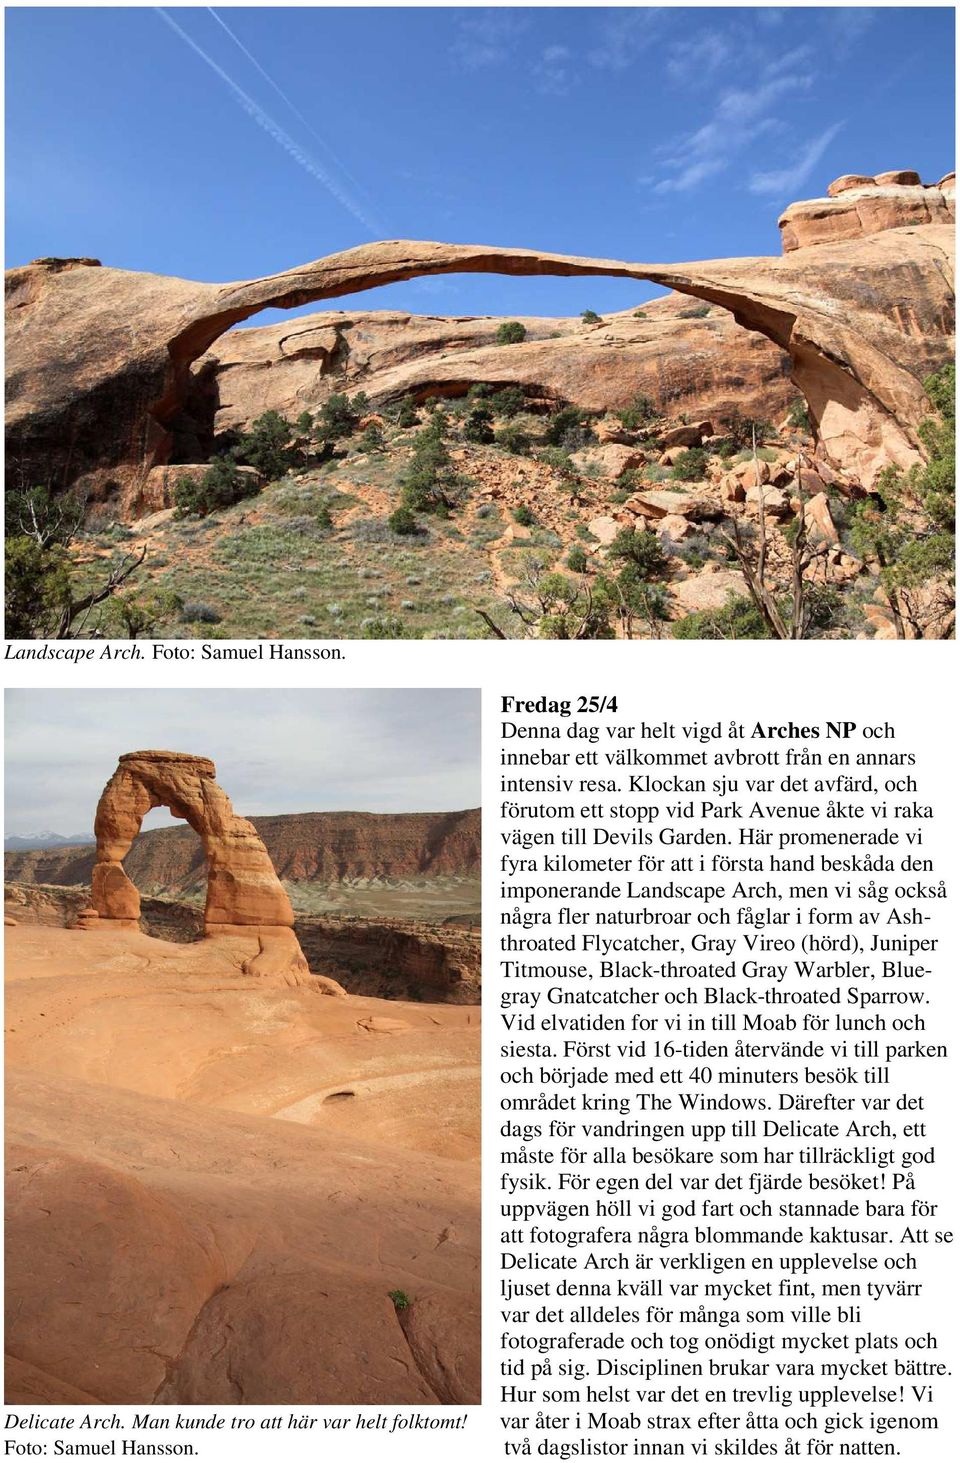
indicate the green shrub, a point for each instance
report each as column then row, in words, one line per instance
column 430, row 482
column 267, row 446
column 338, row 416
column 406, row 412
column 512, row 438
column 739, row 619
column 640, row 411
column 479, row 424
column 589, row 317
column 371, row 439
column 799, row 415
column 559, row 460
column 741, row 431
column 403, row 521
column 196, row 612
column 566, row 428
column 511, row 332
column 640, row 549
column 577, row 559
column 508, row 401
column 690, row 466
column 524, row 515
column 220, row 487
column 697, row 313
column 400, row 1299
column 37, row 587
column 384, row 627
column 911, row 531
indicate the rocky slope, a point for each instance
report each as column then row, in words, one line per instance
column 101, row 362
column 322, row 848
column 196, row 1161
column 394, row 959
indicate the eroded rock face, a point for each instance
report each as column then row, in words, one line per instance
column 100, row 360
column 244, row 895
column 689, row 364
column 324, row 848
column 856, row 206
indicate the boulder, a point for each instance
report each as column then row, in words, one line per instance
column 708, row 590
column 158, row 488
column 864, row 206
column 608, row 429
column 604, row 529
column 752, row 473
column 847, row 182
column 674, row 527
column 774, row 501
column 686, row 434
column 613, row 459
column 902, row 178
column 820, row 524
column 653, row 503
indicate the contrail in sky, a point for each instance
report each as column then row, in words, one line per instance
column 283, row 96
column 274, row 130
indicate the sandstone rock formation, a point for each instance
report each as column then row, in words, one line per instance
column 244, row 895
column 100, row 361
column 687, row 363
column 857, row 206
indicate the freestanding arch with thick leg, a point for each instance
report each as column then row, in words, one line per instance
column 244, row 894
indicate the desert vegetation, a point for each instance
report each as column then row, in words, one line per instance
column 492, row 514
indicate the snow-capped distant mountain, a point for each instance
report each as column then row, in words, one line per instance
column 16, row 842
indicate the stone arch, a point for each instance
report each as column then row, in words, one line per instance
column 99, row 360
column 244, row 894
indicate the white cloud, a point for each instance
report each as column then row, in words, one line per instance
column 702, row 56
column 739, row 118
column 847, row 23
column 785, row 182
column 276, row 751
column 487, row 38
column 625, row 35
column 552, row 72
column 787, row 61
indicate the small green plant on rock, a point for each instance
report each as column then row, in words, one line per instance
column 690, row 466
column 511, row 332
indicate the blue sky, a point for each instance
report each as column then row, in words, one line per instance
column 656, row 134
column 382, row 751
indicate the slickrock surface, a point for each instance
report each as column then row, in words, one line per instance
column 213, row 1185
column 100, row 360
